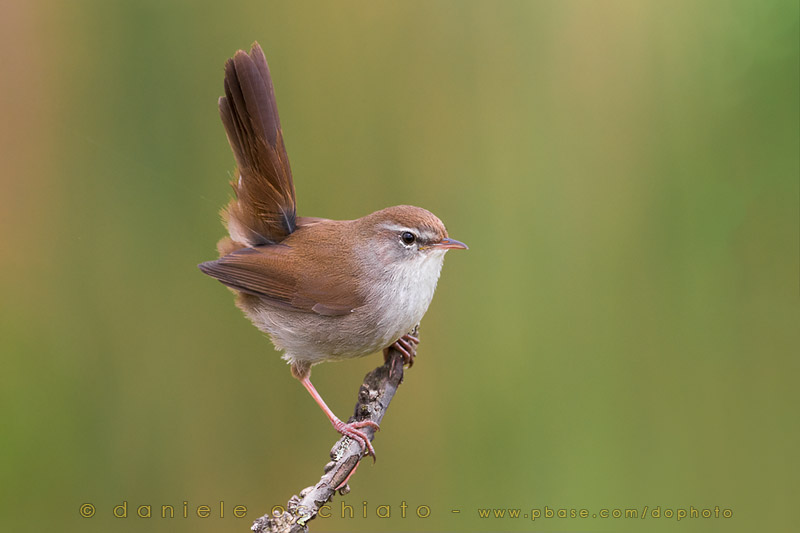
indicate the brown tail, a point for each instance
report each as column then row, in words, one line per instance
column 264, row 210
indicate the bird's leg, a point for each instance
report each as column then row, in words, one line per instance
column 353, row 471
column 350, row 429
column 407, row 346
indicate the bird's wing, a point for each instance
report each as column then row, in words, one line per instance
column 264, row 210
column 265, row 271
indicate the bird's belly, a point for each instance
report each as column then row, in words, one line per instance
column 316, row 338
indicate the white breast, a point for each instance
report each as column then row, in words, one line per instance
column 405, row 292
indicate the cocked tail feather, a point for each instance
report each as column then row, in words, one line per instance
column 264, row 209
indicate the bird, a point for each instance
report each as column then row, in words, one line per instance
column 323, row 290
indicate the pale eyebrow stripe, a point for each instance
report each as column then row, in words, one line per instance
column 424, row 235
column 395, row 227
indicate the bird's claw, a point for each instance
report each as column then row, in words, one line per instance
column 352, row 430
column 407, row 346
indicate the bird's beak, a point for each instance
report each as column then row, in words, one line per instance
column 450, row 244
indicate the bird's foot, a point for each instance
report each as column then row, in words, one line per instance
column 352, row 430
column 407, row 346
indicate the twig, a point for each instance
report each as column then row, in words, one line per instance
column 374, row 397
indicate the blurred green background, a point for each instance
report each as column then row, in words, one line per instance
column 623, row 331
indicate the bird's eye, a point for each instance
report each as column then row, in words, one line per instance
column 408, row 237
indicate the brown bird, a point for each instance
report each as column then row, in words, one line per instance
column 324, row 290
